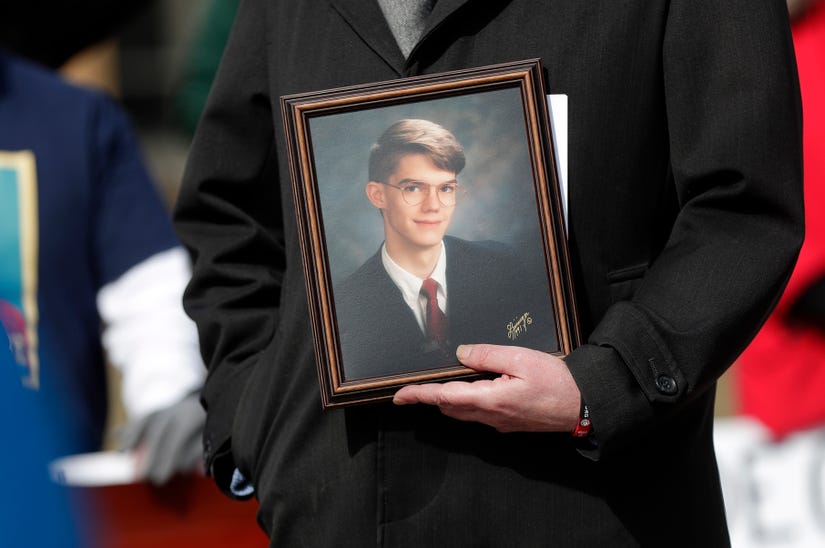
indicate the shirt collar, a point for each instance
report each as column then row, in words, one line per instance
column 410, row 284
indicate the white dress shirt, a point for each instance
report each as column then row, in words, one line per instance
column 410, row 285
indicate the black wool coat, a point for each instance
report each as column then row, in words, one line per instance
column 685, row 217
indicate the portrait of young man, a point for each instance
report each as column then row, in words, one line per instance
column 424, row 292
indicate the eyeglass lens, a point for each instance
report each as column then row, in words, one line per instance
column 414, row 193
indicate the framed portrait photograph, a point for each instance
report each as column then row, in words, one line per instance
column 430, row 216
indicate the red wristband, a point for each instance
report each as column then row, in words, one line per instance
column 582, row 429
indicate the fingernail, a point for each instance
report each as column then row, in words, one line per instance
column 463, row 351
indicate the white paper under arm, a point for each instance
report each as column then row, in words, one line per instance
column 558, row 126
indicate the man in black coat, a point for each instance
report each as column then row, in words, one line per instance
column 386, row 311
column 685, row 218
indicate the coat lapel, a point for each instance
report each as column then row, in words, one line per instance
column 441, row 11
column 368, row 22
column 458, row 288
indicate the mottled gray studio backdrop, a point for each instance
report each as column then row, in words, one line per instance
column 500, row 203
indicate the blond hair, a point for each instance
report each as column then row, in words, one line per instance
column 411, row 136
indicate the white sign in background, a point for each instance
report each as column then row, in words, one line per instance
column 774, row 490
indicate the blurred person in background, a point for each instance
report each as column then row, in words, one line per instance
column 780, row 378
column 28, row 499
column 87, row 244
column 51, row 33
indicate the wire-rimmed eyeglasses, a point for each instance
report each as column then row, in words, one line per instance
column 415, row 192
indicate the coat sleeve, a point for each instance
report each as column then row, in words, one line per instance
column 228, row 216
column 733, row 114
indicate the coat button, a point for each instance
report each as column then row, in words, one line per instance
column 666, row 384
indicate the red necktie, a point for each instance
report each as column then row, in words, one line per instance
column 436, row 320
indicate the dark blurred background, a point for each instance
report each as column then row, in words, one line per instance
column 156, row 56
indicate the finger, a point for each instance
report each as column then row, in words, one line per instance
column 451, row 394
column 459, row 400
column 417, row 393
column 505, row 360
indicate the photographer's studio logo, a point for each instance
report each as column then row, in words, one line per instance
column 519, row 326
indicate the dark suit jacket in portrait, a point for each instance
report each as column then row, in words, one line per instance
column 685, row 218
column 486, row 291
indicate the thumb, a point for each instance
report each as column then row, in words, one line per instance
column 504, row 360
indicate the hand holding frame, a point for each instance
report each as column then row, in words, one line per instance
column 535, row 392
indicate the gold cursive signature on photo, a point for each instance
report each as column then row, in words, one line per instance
column 518, row 326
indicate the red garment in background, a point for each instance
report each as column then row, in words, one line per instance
column 780, row 378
